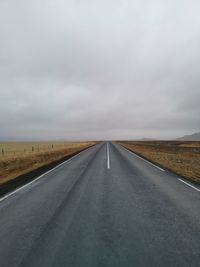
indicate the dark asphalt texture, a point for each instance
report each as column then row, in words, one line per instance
column 83, row 214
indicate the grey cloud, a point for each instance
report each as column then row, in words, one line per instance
column 99, row 69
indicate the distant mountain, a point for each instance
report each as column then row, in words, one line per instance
column 147, row 139
column 191, row 137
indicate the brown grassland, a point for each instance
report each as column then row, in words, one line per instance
column 20, row 158
column 181, row 157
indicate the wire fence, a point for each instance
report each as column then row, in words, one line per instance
column 16, row 150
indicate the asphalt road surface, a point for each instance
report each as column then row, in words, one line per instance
column 105, row 207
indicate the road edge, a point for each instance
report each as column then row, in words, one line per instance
column 163, row 167
column 28, row 177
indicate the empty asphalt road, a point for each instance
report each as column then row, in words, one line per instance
column 105, row 207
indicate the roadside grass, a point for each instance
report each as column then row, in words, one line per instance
column 20, row 158
column 181, row 157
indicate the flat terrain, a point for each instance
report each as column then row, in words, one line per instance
column 104, row 208
column 19, row 158
column 182, row 157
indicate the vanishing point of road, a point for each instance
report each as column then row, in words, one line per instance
column 106, row 207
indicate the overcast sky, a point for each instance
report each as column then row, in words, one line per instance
column 109, row 69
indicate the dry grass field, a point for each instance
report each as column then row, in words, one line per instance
column 182, row 157
column 19, row 158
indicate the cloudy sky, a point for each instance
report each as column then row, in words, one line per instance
column 109, row 69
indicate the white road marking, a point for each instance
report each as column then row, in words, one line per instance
column 28, row 184
column 189, row 184
column 145, row 160
column 108, row 157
